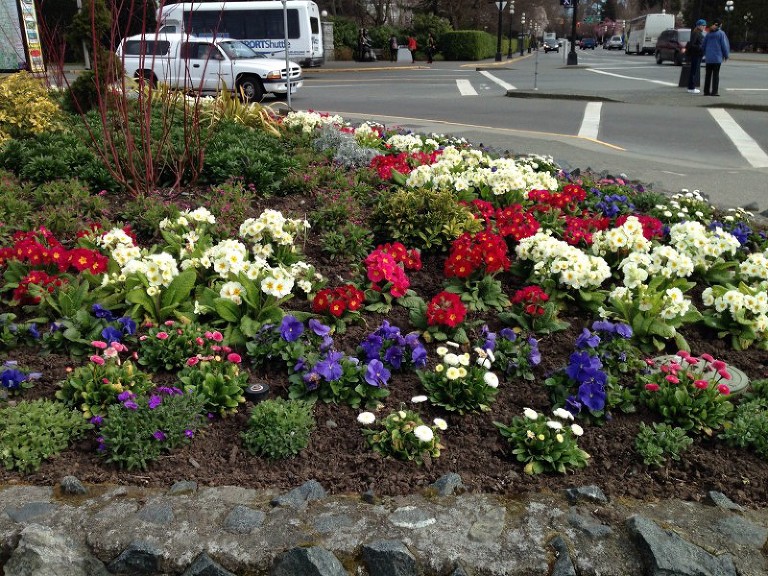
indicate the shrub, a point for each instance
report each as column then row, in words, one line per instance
column 170, row 345
column 279, row 428
column 145, row 213
column 229, row 203
column 31, row 432
column 749, row 425
column 467, row 45
column 423, row 218
column 218, row 381
column 67, row 206
column 139, row 429
column 25, row 107
column 658, row 443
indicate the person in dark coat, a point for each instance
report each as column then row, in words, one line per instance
column 694, row 52
column 716, row 51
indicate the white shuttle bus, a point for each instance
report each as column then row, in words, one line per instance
column 643, row 32
column 259, row 25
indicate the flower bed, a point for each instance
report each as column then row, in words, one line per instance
column 437, row 309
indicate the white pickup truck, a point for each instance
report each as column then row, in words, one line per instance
column 205, row 66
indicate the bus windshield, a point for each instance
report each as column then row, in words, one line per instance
column 236, row 50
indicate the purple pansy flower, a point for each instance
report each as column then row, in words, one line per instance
column 291, row 328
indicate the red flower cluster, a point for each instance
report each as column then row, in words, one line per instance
column 580, row 229
column 652, row 227
column 403, row 162
column 388, row 262
column 39, row 278
column 531, row 299
column 336, row 301
column 41, row 248
column 566, row 199
column 514, row 221
column 446, row 309
column 483, row 252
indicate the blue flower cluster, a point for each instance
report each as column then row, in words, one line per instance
column 112, row 333
column 515, row 354
column 12, row 378
column 611, row 205
column 396, row 351
column 740, row 230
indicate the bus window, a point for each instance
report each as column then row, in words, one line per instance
column 314, row 25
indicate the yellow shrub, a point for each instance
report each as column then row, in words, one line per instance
column 25, row 106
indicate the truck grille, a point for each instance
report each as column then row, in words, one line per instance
column 295, row 72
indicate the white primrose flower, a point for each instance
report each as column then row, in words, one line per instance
column 232, row 291
column 576, row 429
column 440, row 423
column 366, row 418
column 451, row 359
column 530, row 413
column 441, row 351
column 452, row 373
column 424, row 433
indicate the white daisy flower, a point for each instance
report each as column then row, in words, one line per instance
column 424, row 433
column 366, row 418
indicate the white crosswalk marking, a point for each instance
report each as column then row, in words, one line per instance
column 744, row 143
column 465, row 88
column 498, row 81
column 590, row 124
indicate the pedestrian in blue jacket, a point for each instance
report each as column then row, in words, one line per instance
column 716, row 51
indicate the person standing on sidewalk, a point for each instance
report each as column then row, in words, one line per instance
column 716, row 51
column 412, row 46
column 693, row 53
column 431, row 48
column 393, row 48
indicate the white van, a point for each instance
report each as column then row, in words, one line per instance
column 205, row 66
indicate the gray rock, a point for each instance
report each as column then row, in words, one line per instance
column 563, row 565
column 460, row 571
column 298, row 497
column 743, row 532
column 411, row 517
column 722, row 501
column 389, row 558
column 183, row 487
column 488, row 526
column 71, row 486
column 665, row 553
column 138, row 558
column 204, row 566
column 590, row 493
column 242, row 520
column 331, row 523
column 591, row 527
column 157, row 513
column 447, row 484
column 42, row 552
column 314, row 561
column 369, row 497
column 31, row 512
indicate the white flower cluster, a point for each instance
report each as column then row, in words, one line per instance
column 749, row 308
column 671, row 303
column 197, row 216
column 423, row 432
column 367, row 132
column 455, row 365
column 662, row 261
column 686, row 206
column 228, row 258
column 308, row 121
column 411, row 143
column 702, row 245
column 627, row 237
column 119, row 245
column 558, row 259
column 159, row 269
column 754, row 267
column 561, row 414
column 463, row 169
column 271, row 226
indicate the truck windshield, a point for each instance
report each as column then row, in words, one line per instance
column 236, row 50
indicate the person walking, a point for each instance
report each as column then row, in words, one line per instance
column 693, row 52
column 716, row 51
column 412, row 46
column 431, row 48
column 393, row 48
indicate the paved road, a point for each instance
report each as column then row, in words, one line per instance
column 613, row 112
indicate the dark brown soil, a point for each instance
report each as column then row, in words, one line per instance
column 339, row 459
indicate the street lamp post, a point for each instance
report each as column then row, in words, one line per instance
column 728, row 10
column 573, row 58
column 500, row 6
column 522, row 32
column 511, row 13
column 747, row 22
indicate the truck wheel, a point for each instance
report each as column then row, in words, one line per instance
column 249, row 89
column 146, row 78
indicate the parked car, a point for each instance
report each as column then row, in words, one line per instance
column 587, row 43
column 614, row 43
column 551, row 45
column 205, row 66
column 671, row 45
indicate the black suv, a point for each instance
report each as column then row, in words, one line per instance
column 671, row 45
column 551, row 45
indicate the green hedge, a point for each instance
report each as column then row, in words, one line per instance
column 467, row 45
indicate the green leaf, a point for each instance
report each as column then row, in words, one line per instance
column 179, row 289
column 227, row 310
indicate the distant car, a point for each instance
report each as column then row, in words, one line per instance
column 588, row 43
column 671, row 45
column 551, row 45
column 614, row 43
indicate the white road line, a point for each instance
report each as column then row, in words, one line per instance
column 746, row 89
column 465, row 88
column 498, row 81
column 744, row 143
column 590, row 124
column 632, row 77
